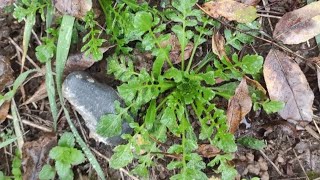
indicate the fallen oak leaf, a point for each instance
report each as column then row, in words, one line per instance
column 286, row 83
column 299, row 25
column 231, row 10
column 239, row 106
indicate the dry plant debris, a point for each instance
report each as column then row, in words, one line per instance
column 77, row 8
column 231, row 10
column 286, row 82
column 239, row 106
column 299, row 25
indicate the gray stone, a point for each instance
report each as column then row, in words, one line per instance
column 92, row 100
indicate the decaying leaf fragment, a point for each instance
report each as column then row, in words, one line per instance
column 208, row 150
column 286, row 83
column 175, row 52
column 76, row 8
column 239, row 106
column 230, row 9
column 35, row 154
column 299, row 25
column 218, row 43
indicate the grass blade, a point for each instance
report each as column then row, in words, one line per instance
column 17, row 83
column 7, row 142
column 51, row 94
column 63, row 46
column 30, row 21
column 49, row 76
column 16, row 124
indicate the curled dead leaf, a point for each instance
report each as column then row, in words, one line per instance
column 286, row 83
column 4, row 110
column 208, row 150
column 76, row 8
column 35, row 154
column 299, row 25
column 230, row 9
column 218, row 43
column 239, row 106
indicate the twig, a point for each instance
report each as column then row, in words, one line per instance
column 20, row 50
column 32, row 124
column 309, row 129
column 121, row 169
column 275, row 167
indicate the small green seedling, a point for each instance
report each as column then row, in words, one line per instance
column 65, row 156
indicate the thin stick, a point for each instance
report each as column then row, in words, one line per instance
column 275, row 166
column 20, row 50
column 32, row 124
column 121, row 169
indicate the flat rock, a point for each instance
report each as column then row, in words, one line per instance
column 92, row 100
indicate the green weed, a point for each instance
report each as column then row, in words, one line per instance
column 65, row 156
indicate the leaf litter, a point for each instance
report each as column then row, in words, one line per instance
column 286, row 82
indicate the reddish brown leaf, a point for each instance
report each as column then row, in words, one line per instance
column 218, row 43
column 230, row 9
column 299, row 25
column 35, row 155
column 239, row 106
column 76, row 8
column 208, row 150
column 286, row 82
column 4, row 110
column 6, row 76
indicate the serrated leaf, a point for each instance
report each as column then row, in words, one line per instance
column 225, row 142
column 169, row 119
column 66, row 140
column 252, row 143
column 173, row 73
column 272, row 106
column 110, row 125
column 251, row 64
column 47, row 172
column 122, row 156
column 208, row 77
column 143, row 21
column 64, row 170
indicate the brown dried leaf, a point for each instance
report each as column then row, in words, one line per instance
column 41, row 93
column 175, row 52
column 4, row 110
column 218, row 43
column 299, row 25
column 230, row 9
column 6, row 73
column 76, row 8
column 286, row 82
column 239, row 106
column 35, row 154
column 208, row 150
